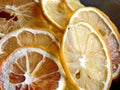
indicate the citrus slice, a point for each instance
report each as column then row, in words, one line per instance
column 28, row 37
column 56, row 12
column 74, row 4
column 86, row 58
column 108, row 30
column 31, row 68
column 15, row 14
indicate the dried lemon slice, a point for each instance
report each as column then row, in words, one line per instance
column 56, row 11
column 104, row 25
column 86, row 58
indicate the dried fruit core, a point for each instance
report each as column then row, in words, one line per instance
column 7, row 16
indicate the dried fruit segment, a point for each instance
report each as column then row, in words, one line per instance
column 86, row 58
column 108, row 30
column 28, row 37
column 31, row 33
column 56, row 11
column 16, row 14
column 40, row 71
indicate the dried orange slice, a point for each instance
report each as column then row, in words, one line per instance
column 28, row 37
column 15, row 14
column 31, row 68
column 56, row 11
column 85, row 57
column 104, row 25
column 74, row 4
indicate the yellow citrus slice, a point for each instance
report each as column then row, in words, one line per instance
column 28, row 37
column 108, row 30
column 86, row 58
column 56, row 12
column 31, row 68
column 74, row 4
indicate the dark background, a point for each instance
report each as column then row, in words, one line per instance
column 112, row 9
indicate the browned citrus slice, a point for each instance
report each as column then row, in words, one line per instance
column 85, row 57
column 15, row 14
column 28, row 37
column 104, row 25
column 31, row 68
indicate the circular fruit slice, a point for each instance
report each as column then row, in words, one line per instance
column 85, row 58
column 31, row 68
column 56, row 12
column 108, row 30
column 28, row 37
column 74, row 4
column 15, row 14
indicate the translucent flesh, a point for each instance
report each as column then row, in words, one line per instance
column 56, row 11
column 28, row 38
column 31, row 69
column 46, row 74
column 90, row 16
column 15, row 14
column 19, row 13
column 85, row 58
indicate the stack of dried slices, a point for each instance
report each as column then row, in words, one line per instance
column 56, row 45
